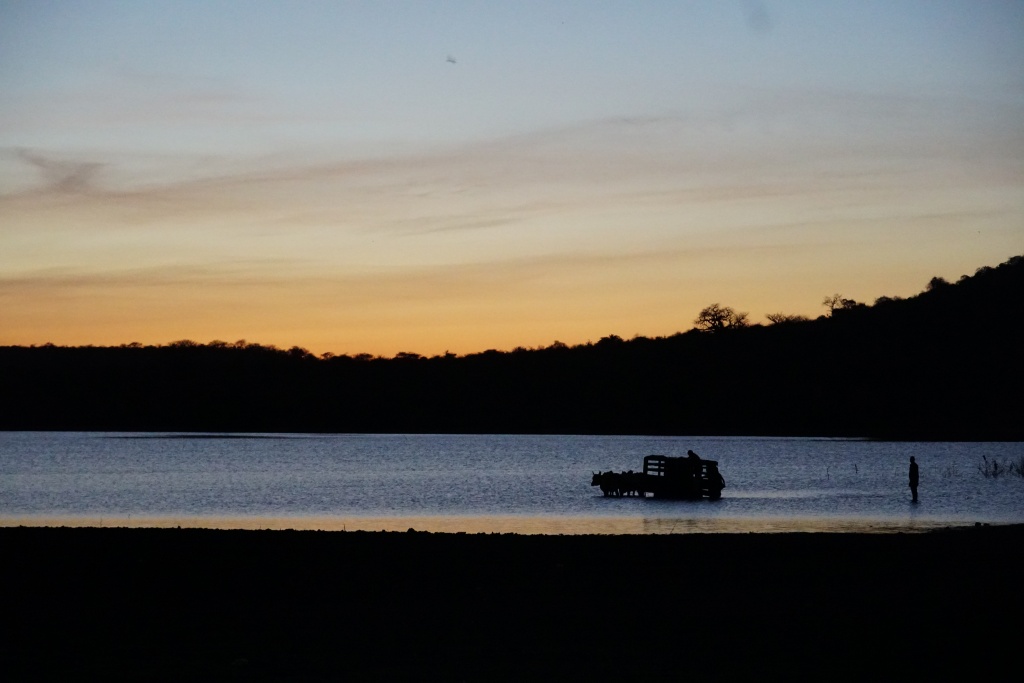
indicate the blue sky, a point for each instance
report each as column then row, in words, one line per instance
column 431, row 176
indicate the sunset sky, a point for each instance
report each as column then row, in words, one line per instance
column 456, row 176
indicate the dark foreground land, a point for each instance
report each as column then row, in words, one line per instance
column 170, row 604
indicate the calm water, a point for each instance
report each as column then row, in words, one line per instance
column 528, row 484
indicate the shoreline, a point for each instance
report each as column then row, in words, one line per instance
column 568, row 525
column 201, row 604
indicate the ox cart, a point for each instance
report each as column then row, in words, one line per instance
column 687, row 478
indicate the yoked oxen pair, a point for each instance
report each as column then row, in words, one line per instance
column 620, row 484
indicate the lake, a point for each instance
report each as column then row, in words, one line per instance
column 490, row 483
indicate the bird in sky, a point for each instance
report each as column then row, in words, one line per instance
column 451, row 60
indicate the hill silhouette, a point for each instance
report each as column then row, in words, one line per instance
column 946, row 364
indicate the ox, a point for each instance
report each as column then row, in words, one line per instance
column 610, row 483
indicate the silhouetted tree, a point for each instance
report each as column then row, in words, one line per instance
column 610, row 340
column 715, row 318
column 832, row 302
column 836, row 302
column 299, row 352
column 776, row 318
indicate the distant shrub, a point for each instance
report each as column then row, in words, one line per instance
column 1017, row 466
column 989, row 468
column 993, row 469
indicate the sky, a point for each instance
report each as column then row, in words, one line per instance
column 431, row 177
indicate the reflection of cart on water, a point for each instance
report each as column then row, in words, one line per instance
column 689, row 478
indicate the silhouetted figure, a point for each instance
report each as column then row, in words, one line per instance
column 913, row 478
column 716, row 482
column 693, row 461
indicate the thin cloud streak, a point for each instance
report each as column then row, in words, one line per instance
column 622, row 226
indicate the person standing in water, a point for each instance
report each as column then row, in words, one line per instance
column 913, row 478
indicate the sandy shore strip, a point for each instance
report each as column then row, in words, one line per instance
column 195, row 604
column 504, row 524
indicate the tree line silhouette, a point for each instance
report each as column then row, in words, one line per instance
column 946, row 364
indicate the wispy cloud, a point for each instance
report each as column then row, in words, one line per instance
column 61, row 176
column 603, row 227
